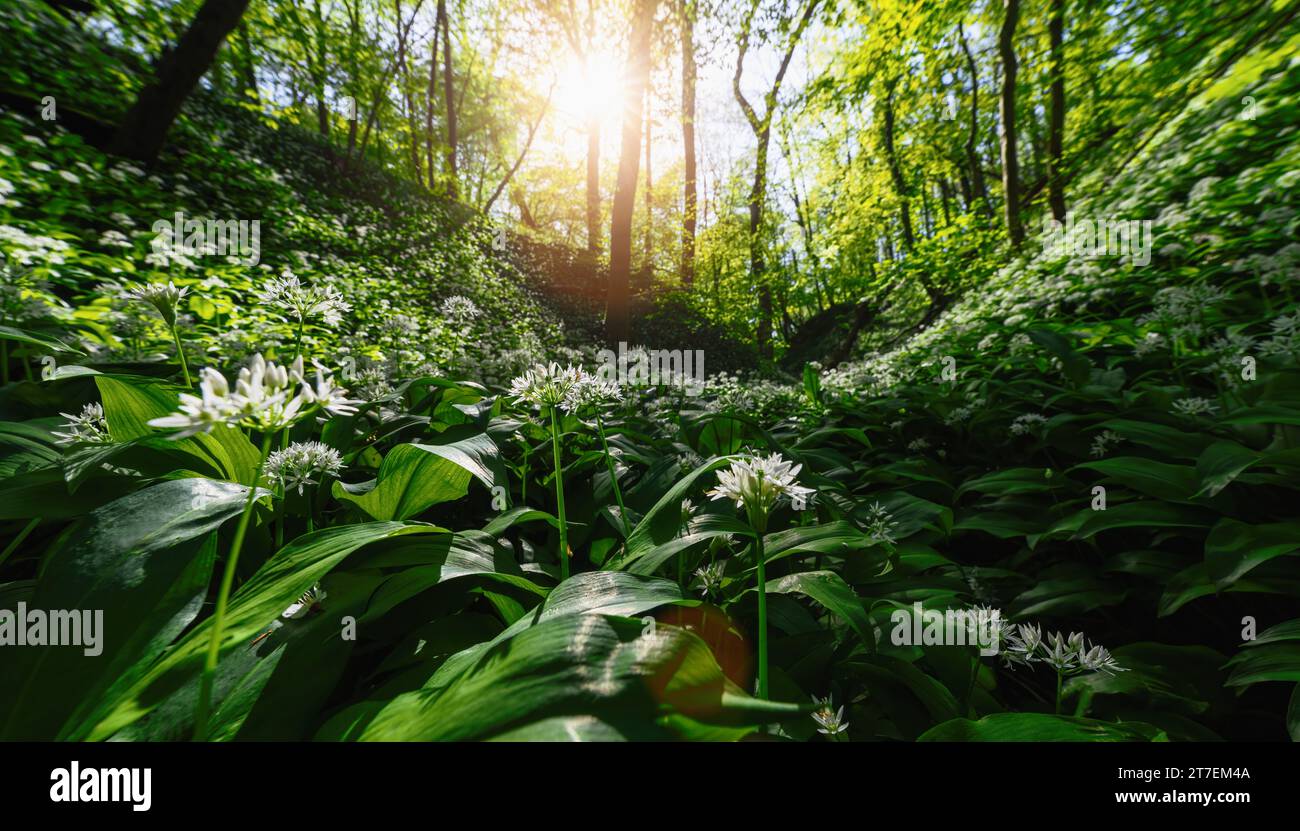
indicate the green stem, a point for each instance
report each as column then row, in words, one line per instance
column 1058, row 692
column 204, row 705
column 613, row 478
column 297, row 341
column 180, row 353
column 559, row 496
column 18, row 540
column 762, row 616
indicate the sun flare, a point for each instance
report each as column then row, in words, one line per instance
column 591, row 88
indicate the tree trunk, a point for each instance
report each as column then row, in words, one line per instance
column 429, row 95
column 648, row 254
column 688, row 142
column 895, row 169
column 617, row 319
column 978, row 190
column 405, row 70
column 449, row 92
column 1056, row 128
column 762, row 127
column 145, row 126
column 1010, row 163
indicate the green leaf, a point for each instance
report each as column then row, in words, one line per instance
column 663, row 522
column 1234, row 548
column 414, row 477
column 1222, row 462
column 830, row 590
column 1271, row 662
column 1040, row 727
column 130, row 404
column 143, row 560
column 573, row 665
column 253, row 608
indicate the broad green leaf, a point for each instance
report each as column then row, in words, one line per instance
column 145, row 561
column 253, row 607
column 1040, row 727
column 414, row 477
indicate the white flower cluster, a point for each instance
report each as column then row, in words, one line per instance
column 710, row 577
column 164, row 298
column 1195, row 406
column 755, row 483
column 460, row 308
column 1068, row 656
column 89, row 426
column 294, row 466
column 263, row 399
column 546, row 385
column 830, row 722
column 303, row 302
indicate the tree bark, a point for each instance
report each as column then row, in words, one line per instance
column 978, row 190
column 1010, row 162
column 429, row 96
column 762, row 127
column 144, row 128
column 449, row 92
column 689, row 195
column 617, row 318
column 1056, row 128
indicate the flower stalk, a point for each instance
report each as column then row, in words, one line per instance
column 203, row 708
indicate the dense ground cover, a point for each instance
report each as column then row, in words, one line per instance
column 366, row 537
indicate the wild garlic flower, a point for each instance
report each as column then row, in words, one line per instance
column 309, row 600
column 710, row 578
column 302, row 302
column 88, row 427
column 1098, row 659
column 1066, row 655
column 1102, row 443
column 1026, row 423
column 757, row 482
column 294, row 466
column 460, row 308
column 830, row 721
column 880, row 524
column 200, row 413
column 263, row 399
column 1195, row 406
column 164, row 298
column 546, row 385
column 590, row 392
column 326, row 396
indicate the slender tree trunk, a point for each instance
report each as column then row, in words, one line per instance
column 449, row 91
column 978, row 190
column 532, row 131
column 649, row 187
column 1010, row 162
column 617, row 319
column 762, row 127
column 896, row 169
column 429, row 97
column 1056, row 129
column 248, row 63
column 405, row 70
column 689, row 195
column 145, row 126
